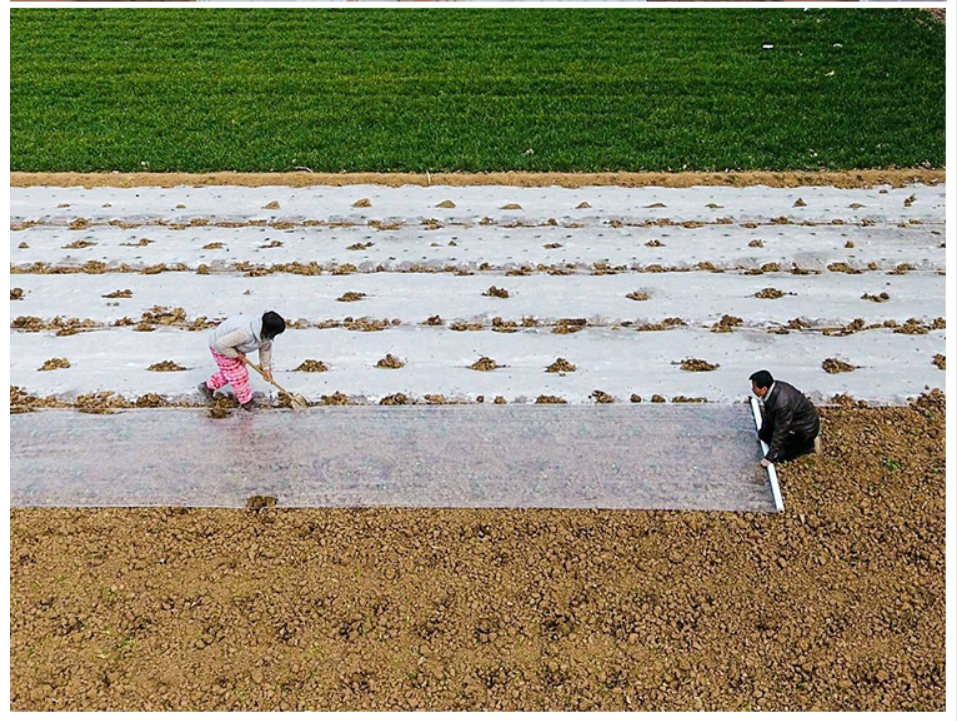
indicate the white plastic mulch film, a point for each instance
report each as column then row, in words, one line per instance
column 693, row 456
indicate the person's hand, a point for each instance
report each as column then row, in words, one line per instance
column 267, row 372
column 765, row 463
column 241, row 356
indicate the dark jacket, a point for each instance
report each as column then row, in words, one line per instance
column 787, row 411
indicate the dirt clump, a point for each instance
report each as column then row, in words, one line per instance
column 658, row 399
column 258, row 503
column 756, row 243
column 273, row 205
column 350, row 297
column 362, row 203
column 16, row 294
column 635, row 398
column 876, row 298
column 485, row 364
column 569, row 325
column 494, row 292
column 550, row 399
column 311, row 366
column 726, row 324
column 602, row 397
column 940, row 361
column 271, row 244
column 511, row 206
column 835, row 365
column 696, row 365
column 396, row 399
column 770, row 294
column 336, row 399
column 434, row 320
column 360, row 246
column 390, row 361
column 448, row 204
column 638, row 295
column 126, row 293
column 141, row 243
column 655, row 243
column 552, row 246
column 79, row 244
column 686, row 399
column 54, row 363
column 166, row 367
column 561, row 366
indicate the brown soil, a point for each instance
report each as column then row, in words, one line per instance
column 214, row 246
column 696, row 365
column 561, row 366
column 835, row 365
column 726, row 324
column 446, row 204
column 54, row 363
column 494, row 292
column 166, row 366
column 127, row 293
column 360, row 246
column 16, row 293
column 686, row 399
column 837, row 604
column 397, row 399
column 790, row 179
column 434, row 320
column 550, row 399
column 350, row 297
column 78, row 244
column 940, row 361
column 390, row 361
column 272, row 244
column 638, row 295
column 658, row 399
column 274, row 205
column 756, row 244
column 878, row 298
column 312, row 366
column 141, row 243
column 363, row 203
column 770, row 294
column 602, row 397
column 552, row 246
column 485, row 364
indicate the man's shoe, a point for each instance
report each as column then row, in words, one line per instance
column 249, row 405
column 206, row 391
column 817, row 445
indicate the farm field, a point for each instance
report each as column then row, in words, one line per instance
column 528, row 261
column 837, row 604
column 385, row 90
column 643, row 292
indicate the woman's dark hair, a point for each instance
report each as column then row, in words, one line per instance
column 273, row 325
column 762, row 379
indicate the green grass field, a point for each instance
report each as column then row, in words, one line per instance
column 474, row 90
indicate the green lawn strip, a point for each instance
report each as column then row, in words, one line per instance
column 475, row 90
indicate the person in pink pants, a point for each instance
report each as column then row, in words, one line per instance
column 229, row 343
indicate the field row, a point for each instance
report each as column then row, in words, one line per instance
column 880, row 366
column 482, row 249
column 471, row 205
column 765, row 301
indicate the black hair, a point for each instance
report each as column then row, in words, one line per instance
column 762, row 379
column 273, row 325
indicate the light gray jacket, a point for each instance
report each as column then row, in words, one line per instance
column 242, row 333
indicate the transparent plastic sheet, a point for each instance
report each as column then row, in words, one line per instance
column 648, row 456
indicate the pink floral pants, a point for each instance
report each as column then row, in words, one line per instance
column 232, row 371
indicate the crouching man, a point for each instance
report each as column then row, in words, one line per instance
column 230, row 342
column 791, row 424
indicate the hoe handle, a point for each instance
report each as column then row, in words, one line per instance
column 260, row 372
